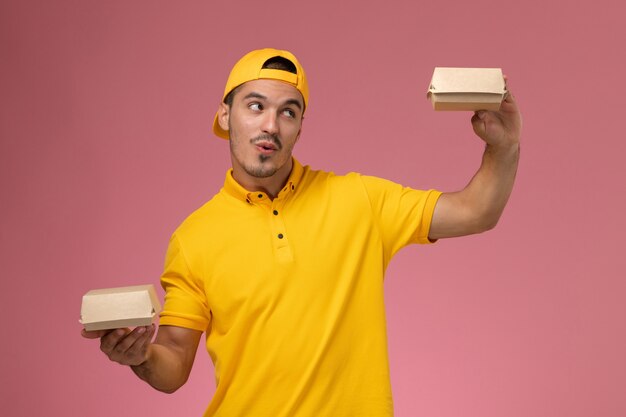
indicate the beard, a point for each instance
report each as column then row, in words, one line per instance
column 264, row 168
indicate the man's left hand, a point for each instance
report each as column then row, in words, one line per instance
column 500, row 128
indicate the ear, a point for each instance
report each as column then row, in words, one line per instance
column 223, row 115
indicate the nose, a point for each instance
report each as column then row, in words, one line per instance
column 270, row 123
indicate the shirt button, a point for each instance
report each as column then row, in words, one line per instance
column 260, row 195
column 280, row 235
column 275, row 213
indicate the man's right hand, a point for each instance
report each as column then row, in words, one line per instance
column 124, row 346
column 165, row 363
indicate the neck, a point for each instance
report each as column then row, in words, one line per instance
column 269, row 185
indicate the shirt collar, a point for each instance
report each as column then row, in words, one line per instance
column 233, row 188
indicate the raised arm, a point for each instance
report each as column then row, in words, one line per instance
column 165, row 364
column 477, row 208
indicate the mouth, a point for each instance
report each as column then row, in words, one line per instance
column 266, row 147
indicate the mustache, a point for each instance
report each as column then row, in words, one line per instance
column 274, row 139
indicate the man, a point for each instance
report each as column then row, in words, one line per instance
column 283, row 268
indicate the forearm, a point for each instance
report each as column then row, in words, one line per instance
column 163, row 368
column 487, row 193
column 478, row 207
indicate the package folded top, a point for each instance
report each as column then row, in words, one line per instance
column 112, row 308
column 467, row 89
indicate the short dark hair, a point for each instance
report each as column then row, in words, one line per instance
column 280, row 63
column 277, row 62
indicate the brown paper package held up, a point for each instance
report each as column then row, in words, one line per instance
column 113, row 308
column 468, row 89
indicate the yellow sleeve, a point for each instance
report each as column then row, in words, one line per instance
column 185, row 300
column 404, row 214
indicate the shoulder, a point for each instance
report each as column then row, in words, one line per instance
column 203, row 217
column 353, row 187
column 317, row 177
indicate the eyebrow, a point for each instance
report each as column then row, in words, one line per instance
column 292, row 101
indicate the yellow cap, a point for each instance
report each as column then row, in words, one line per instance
column 250, row 68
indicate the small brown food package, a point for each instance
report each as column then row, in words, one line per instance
column 467, row 89
column 113, row 308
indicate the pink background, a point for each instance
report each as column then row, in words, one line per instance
column 106, row 146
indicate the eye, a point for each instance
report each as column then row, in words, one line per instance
column 255, row 106
column 289, row 113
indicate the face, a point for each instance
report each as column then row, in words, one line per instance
column 264, row 124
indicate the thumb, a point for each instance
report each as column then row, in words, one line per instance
column 478, row 123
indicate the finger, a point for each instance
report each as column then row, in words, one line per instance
column 507, row 94
column 509, row 104
column 480, row 114
column 478, row 123
column 94, row 334
column 112, row 339
column 142, row 343
column 133, row 348
column 130, row 344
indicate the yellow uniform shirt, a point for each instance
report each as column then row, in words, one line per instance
column 290, row 291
